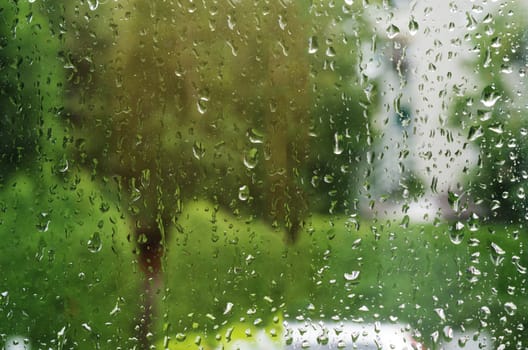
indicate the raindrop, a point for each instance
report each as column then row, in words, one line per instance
column 510, row 308
column 328, row 178
column 228, row 308
column 471, row 23
column 435, row 336
column 440, row 312
column 521, row 269
column 497, row 254
column 487, row 58
column 413, row 26
column 392, row 31
column 338, row 148
column 93, row 4
column 116, row 309
column 489, row 96
column 456, row 234
column 330, row 51
column 498, row 250
column 448, row 333
column 496, row 42
column 86, row 327
column 313, row 45
column 405, row 221
column 243, row 193
column 63, row 165
column 95, row 243
column 475, row 132
column 506, row 68
column 251, row 158
column 198, row 150
column 201, row 105
column 462, row 341
column 454, row 201
column 352, row 276
column 43, row 222
column 497, row 128
column 255, row 136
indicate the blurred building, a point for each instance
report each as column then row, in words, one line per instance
column 422, row 62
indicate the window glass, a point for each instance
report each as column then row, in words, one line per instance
column 183, row 174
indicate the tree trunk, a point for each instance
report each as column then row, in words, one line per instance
column 151, row 252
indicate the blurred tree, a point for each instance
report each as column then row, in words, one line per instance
column 179, row 101
column 495, row 115
column 343, row 103
column 29, row 83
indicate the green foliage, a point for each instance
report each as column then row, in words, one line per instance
column 30, row 79
column 495, row 115
column 198, row 103
column 67, row 265
column 343, row 104
column 223, row 271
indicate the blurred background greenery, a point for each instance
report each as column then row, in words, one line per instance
column 244, row 133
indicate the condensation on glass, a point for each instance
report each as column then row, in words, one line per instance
column 263, row 174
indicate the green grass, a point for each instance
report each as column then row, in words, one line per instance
column 225, row 271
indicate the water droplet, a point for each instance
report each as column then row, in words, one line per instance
column 364, row 308
column 413, row 26
column 93, row 4
column 405, row 221
column 43, row 222
column 454, row 201
column 95, row 243
column 497, row 254
column 475, row 132
column 86, row 327
column 462, row 341
column 228, row 308
column 201, row 105
column 496, row 42
column 251, row 158
column 338, row 148
column 456, row 234
column 330, row 51
column 63, row 165
column 510, row 308
column 352, row 276
column 506, row 68
column 448, row 333
column 489, row 96
column 497, row 249
column 198, row 150
column 440, row 312
column 313, row 45
column 255, row 136
column 487, row 58
column 116, row 309
column 471, row 23
column 497, row 128
column 243, row 193
column 392, row 31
